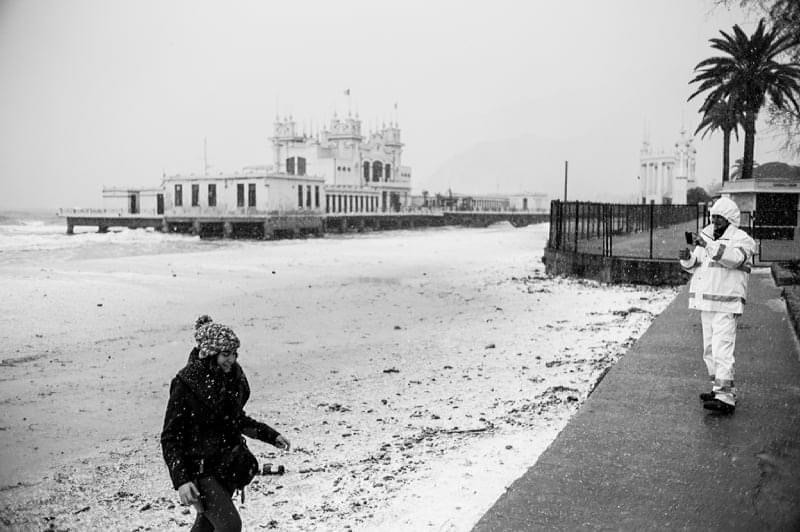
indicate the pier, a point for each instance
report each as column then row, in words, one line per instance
column 294, row 225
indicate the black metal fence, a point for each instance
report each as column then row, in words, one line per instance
column 657, row 231
column 776, row 233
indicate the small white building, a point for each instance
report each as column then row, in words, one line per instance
column 664, row 178
column 254, row 190
column 529, row 201
column 133, row 201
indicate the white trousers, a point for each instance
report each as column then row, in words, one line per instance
column 719, row 341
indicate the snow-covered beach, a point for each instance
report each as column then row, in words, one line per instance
column 417, row 373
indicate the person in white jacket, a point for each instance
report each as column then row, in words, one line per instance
column 720, row 266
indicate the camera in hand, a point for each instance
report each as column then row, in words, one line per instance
column 689, row 237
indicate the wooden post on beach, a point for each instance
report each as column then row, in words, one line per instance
column 196, row 228
column 70, row 229
column 227, row 229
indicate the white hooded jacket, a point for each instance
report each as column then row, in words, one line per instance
column 721, row 269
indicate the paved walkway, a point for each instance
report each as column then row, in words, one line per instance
column 643, row 454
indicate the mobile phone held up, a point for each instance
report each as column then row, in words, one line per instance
column 689, row 237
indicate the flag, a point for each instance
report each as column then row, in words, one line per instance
column 347, row 92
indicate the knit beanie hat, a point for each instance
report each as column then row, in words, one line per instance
column 726, row 208
column 205, row 319
column 215, row 338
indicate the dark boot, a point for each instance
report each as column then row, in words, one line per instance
column 707, row 396
column 719, row 406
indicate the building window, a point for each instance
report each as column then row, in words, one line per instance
column 251, row 195
column 133, row 203
column 301, row 166
column 179, row 195
column 240, row 194
column 195, row 195
column 388, row 169
column 316, row 196
column 308, row 196
column 290, row 165
column 212, row 195
column 377, row 170
column 300, row 196
column 366, row 170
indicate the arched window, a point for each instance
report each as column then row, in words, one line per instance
column 388, row 169
column 366, row 170
column 377, row 170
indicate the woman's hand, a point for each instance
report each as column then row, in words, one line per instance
column 282, row 443
column 699, row 241
column 189, row 494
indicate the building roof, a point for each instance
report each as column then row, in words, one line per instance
column 777, row 170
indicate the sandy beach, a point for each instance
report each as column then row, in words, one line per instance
column 416, row 373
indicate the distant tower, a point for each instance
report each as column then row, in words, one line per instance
column 284, row 134
column 665, row 177
column 685, row 154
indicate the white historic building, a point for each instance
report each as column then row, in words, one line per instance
column 361, row 173
column 338, row 170
column 665, row 178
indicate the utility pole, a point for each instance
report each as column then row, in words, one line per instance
column 566, row 168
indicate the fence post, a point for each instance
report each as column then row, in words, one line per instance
column 697, row 218
column 577, row 220
column 651, row 230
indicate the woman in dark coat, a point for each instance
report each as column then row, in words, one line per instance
column 205, row 421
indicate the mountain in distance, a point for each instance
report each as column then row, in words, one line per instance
column 534, row 164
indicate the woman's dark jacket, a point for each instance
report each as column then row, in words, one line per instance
column 205, row 418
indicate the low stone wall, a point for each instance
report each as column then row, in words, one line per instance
column 791, row 294
column 614, row 269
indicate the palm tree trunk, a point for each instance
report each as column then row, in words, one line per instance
column 749, row 143
column 726, row 155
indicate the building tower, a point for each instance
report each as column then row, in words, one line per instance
column 685, row 154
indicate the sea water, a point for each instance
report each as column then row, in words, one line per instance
column 39, row 237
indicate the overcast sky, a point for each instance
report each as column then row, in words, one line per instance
column 114, row 93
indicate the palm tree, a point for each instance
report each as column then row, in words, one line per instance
column 747, row 75
column 723, row 115
column 738, row 169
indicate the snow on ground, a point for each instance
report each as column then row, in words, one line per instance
column 416, row 373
